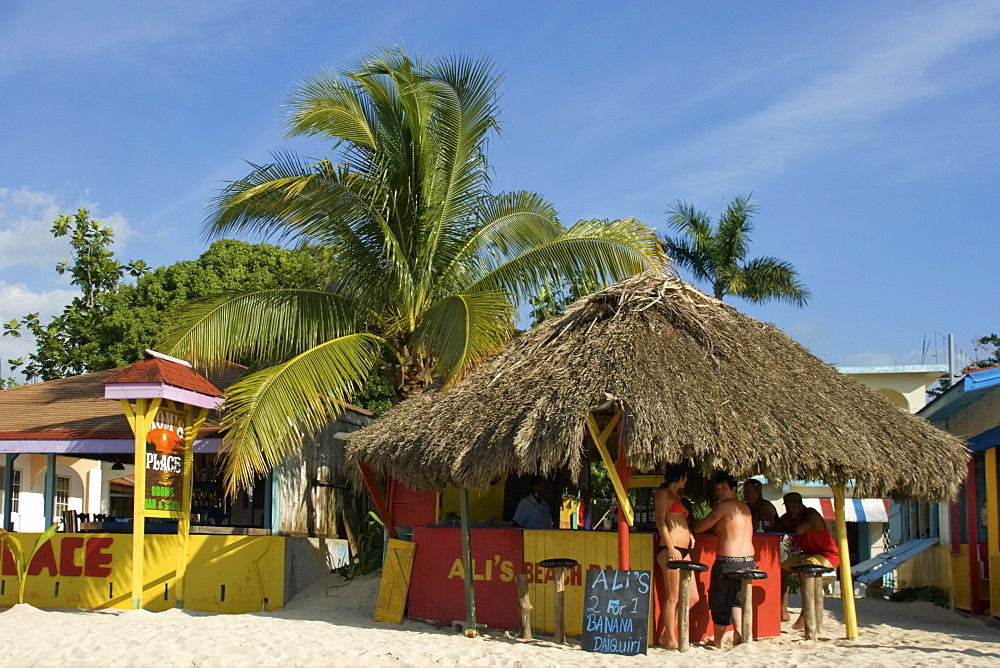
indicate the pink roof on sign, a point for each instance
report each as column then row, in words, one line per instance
column 164, row 370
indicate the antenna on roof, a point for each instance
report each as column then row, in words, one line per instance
column 166, row 358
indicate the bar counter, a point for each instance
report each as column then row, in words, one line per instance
column 436, row 591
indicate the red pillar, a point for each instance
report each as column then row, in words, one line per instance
column 624, row 471
column 380, row 505
column 972, row 523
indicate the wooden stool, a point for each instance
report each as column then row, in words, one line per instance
column 560, row 565
column 746, row 579
column 811, row 587
column 687, row 568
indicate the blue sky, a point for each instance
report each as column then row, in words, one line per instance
column 867, row 132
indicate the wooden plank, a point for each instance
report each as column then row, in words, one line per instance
column 395, row 585
column 600, row 440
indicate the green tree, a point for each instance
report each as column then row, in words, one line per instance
column 717, row 255
column 431, row 265
column 64, row 345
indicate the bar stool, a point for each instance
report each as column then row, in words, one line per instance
column 746, row 579
column 560, row 565
column 687, row 569
column 811, row 586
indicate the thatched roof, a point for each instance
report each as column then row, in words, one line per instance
column 697, row 380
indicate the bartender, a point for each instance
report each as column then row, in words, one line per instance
column 533, row 510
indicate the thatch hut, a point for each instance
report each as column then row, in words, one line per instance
column 697, row 379
column 679, row 375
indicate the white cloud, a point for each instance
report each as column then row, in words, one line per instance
column 16, row 301
column 834, row 109
column 26, row 218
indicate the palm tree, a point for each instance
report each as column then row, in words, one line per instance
column 718, row 255
column 430, row 265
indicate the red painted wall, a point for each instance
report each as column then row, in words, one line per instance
column 437, row 589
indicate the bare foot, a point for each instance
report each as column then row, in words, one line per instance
column 785, row 617
column 667, row 643
column 799, row 624
column 737, row 638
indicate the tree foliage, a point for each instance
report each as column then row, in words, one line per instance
column 111, row 322
column 987, row 353
column 717, row 254
column 65, row 345
column 430, row 264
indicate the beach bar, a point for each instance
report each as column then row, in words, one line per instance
column 70, row 447
column 680, row 376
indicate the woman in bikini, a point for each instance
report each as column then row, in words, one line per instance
column 676, row 541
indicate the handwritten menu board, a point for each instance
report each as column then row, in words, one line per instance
column 616, row 611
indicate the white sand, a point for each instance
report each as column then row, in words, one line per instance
column 330, row 624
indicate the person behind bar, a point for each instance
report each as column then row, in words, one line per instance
column 762, row 512
column 675, row 542
column 812, row 537
column 731, row 519
column 533, row 510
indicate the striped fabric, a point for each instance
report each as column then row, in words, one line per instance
column 855, row 510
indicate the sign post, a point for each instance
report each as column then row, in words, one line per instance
column 166, row 392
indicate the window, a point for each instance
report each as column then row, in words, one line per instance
column 62, row 495
column 16, row 496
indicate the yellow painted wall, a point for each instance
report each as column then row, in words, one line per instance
column 995, row 585
column 930, row 568
column 598, row 548
column 251, row 568
column 485, row 505
column 960, row 577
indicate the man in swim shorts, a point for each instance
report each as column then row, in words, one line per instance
column 734, row 527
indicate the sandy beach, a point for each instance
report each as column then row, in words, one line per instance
column 329, row 624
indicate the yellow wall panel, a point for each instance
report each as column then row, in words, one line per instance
column 930, row 568
column 960, row 581
column 591, row 548
column 92, row 570
column 395, row 583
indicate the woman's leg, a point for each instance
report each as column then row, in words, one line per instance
column 671, row 589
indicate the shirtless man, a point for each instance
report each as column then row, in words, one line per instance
column 675, row 542
column 731, row 519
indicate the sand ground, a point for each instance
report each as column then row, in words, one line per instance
column 329, row 624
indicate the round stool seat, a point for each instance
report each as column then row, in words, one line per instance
column 747, row 575
column 692, row 566
column 812, row 569
column 559, row 563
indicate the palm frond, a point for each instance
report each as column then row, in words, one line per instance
column 268, row 413
column 611, row 250
column 459, row 330
column 264, row 326
column 767, row 278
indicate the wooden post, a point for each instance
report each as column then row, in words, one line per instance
column 383, row 510
column 184, row 523
column 524, row 602
column 846, row 581
column 470, row 595
column 747, row 590
column 972, row 527
column 560, row 607
column 624, row 471
column 683, row 605
column 50, row 489
column 992, row 517
column 819, row 595
column 808, row 593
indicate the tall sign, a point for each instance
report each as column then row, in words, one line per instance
column 164, row 456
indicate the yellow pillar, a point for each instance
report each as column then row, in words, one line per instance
column 184, row 521
column 139, row 420
column 846, row 581
column 992, row 528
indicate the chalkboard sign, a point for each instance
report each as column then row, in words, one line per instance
column 616, row 611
